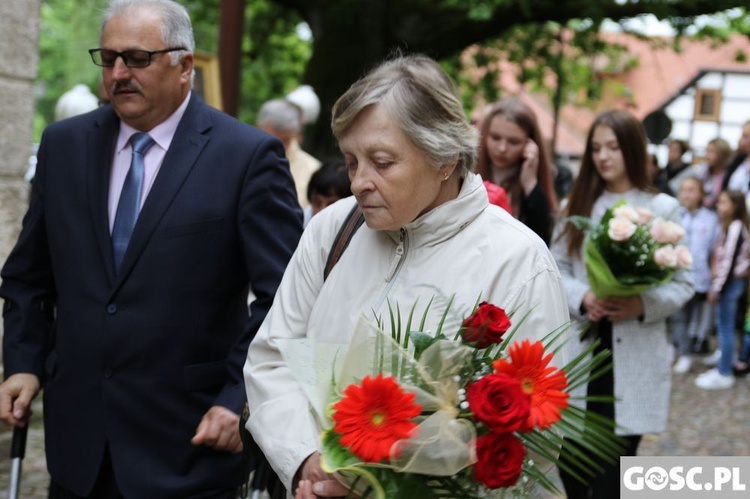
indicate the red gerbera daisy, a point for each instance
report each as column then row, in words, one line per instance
column 372, row 417
column 528, row 365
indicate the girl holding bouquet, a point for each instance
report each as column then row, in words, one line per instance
column 729, row 269
column 614, row 168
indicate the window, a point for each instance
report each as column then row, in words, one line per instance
column 707, row 104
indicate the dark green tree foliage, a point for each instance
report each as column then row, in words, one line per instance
column 205, row 15
column 350, row 36
column 273, row 62
column 274, row 56
column 68, row 29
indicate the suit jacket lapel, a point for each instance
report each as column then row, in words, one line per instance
column 189, row 140
column 101, row 145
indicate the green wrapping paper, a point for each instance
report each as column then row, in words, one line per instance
column 603, row 281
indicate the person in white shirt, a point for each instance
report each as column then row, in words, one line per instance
column 281, row 118
column 740, row 178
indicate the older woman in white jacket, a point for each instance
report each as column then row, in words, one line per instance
column 430, row 233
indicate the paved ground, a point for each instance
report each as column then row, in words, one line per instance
column 701, row 423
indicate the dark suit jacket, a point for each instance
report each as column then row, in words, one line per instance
column 134, row 360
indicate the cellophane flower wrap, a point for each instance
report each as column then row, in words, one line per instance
column 630, row 250
column 465, row 415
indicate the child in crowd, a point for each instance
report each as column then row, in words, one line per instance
column 713, row 172
column 693, row 321
column 729, row 269
column 328, row 184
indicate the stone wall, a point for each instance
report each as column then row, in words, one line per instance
column 19, row 59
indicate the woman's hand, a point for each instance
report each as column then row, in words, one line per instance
column 315, row 483
column 529, row 167
column 614, row 308
column 620, row 308
column 595, row 308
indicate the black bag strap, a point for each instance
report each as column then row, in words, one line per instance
column 735, row 254
column 352, row 222
column 252, row 457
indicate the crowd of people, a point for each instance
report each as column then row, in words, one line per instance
column 713, row 196
column 153, row 217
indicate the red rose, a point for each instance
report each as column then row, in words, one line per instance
column 499, row 401
column 485, row 326
column 499, row 460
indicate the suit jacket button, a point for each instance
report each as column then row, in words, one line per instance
column 107, row 372
column 111, row 308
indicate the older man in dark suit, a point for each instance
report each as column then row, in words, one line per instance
column 126, row 293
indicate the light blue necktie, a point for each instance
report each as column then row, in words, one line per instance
column 130, row 198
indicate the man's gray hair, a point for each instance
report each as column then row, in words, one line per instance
column 177, row 30
column 280, row 115
column 423, row 100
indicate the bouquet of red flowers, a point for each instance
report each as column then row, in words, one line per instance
column 418, row 415
column 630, row 250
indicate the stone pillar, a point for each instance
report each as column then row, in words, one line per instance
column 19, row 59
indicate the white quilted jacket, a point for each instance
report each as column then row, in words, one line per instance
column 464, row 247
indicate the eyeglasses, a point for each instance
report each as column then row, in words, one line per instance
column 132, row 58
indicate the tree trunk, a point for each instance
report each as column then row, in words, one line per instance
column 230, row 47
column 341, row 49
column 350, row 37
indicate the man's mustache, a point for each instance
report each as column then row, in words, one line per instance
column 125, row 87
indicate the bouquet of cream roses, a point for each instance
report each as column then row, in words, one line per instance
column 417, row 415
column 630, row 250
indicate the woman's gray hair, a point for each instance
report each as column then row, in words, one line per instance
column 424, row 101
column 280, row 115
column 177, row 30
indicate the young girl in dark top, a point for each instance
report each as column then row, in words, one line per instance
column 513, row 155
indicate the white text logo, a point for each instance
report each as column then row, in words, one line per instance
column 696, row 478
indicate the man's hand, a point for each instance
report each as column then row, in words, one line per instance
column 219, row 429
column 16, row 394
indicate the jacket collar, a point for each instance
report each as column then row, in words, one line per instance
column 448, row 219
column 101, row 140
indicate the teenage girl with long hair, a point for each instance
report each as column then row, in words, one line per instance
column 513, row 155
column 633, row 328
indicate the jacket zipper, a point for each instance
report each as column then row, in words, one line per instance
column 396, row 264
